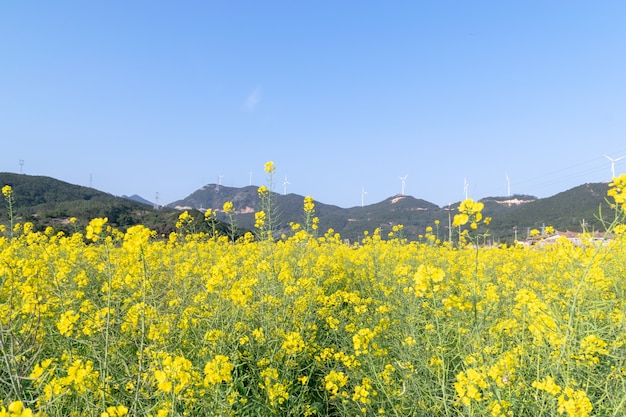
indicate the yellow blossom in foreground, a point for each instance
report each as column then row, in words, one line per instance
column 95, row 228
column 16, row 409
column 469, row 386
column 218, row 370
column 67, row 322
column 548, row 385
column 293, row 343
column 115, row 411
column 334, row 381
column 574, row 402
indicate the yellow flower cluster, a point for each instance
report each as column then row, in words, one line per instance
column 470, row 211
column 617, row 190
column 269, row 167
column 17, row 409
column 173, row 375
column 218, row 370
column 7, row 191
column 574, row 402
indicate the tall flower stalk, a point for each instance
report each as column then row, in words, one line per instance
column 7, row 192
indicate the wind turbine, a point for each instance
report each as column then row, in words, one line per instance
column 508, row 185
column 465, row 185
column 613, row 161
column 285, row 185
column 403, row 179
column 363, row 192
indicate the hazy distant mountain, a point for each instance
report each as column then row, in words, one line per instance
column 138, row 199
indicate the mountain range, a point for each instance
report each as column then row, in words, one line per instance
column 46, row 201
column 513, row 216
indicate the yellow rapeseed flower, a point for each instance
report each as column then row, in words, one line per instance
column 574, row 402
column 218, row 370
column 548, row 385
column 269, row 167
column 259, row 219
column 7, row 191
column 309, row 205
column 228, row 207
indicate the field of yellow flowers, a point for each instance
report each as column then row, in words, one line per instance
column 105, row 323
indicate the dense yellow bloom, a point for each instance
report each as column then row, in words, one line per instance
column 115, row 411
column 362, row 392
column 334, row 381
column 460, row 219
column 16, row 409
column 276, row 390
column 174, row 375
column 67, row 322
column 361, row 341
column 548, row 385
column 293, row 343
column 574, row 402
column 218, row 370
column 590, row 347
column 427, row 280
column 500, row 409
column 95, row 228
column 469, row 386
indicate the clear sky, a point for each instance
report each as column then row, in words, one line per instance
column 140, row 97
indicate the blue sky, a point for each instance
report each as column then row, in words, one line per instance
column 140, row 97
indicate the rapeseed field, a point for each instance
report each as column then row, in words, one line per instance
column 109, row 323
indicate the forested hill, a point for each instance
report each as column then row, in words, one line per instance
column 46, row 201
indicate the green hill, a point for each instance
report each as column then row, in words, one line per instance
column 513, row 215
column 45, row 201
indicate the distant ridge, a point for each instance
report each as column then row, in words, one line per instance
column 47, row 201
column 512, row 215
column 138, row 199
